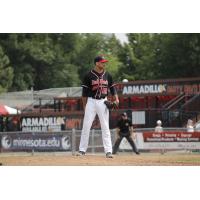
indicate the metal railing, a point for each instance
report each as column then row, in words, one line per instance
column 95, row 140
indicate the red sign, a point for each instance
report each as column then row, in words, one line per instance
column 171, row 137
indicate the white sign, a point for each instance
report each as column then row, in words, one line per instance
column 138, row 117
column 38, row 124
column 178, row 141
column 144, row 89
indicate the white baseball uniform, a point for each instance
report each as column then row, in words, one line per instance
column 95, row 87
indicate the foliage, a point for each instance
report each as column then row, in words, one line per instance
column 61, row 59
column 178, row 55
column 6, row 72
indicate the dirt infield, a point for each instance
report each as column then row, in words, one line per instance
column 123, row 159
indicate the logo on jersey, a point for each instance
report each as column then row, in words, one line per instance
column 101, row 85
column 99, row 82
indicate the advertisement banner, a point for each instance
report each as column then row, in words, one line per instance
column 41, row 124
column 168, row 140
column 173, row 88
column 33, row 141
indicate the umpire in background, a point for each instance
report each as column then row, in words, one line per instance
column 124, row 129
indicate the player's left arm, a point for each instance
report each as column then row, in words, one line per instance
column 116, row 99
column 132, row 133
column 113, row 89
column 84, row 101
column 85, row 90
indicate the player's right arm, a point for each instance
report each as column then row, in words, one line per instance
column 84, row 101
column 85, row 90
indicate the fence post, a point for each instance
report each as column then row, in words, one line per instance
column 93, row 150
column 113, row 135
column 73, row 135
column 0, row 144
column 32, row 152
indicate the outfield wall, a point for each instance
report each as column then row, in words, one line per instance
column 145, row 139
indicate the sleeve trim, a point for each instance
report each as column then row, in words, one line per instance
column 85, row 86
column 113, row 85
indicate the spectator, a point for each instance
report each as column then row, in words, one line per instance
column 159, row 128
column 190, row 126
column 197, row 126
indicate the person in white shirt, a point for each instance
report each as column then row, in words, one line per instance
column 158, row 128
column 197, row 126
column 190, row 126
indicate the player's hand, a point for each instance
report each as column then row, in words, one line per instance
column 110, row 105
column 117, row 102
column 133, row 135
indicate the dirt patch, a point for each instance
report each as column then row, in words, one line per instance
column 124, row 159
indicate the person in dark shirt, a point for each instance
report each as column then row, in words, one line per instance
column 124, row 129
column 96, row 85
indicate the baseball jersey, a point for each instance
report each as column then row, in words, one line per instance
column 123, row 125
column 96, row 85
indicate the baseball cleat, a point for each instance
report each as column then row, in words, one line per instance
column 80, row 153
column 109, row 155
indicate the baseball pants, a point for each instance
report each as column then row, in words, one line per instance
column 129, row 139
column 93, row 107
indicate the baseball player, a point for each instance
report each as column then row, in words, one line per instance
column 96, row 85
column 124, row 129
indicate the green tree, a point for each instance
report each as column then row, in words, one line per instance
column 61, row 60
column 6, row 72
column 22, row 69
column 156, row 56
column 91, row 46
column 42, row 60
column 98, row 44
column 178, row 55
column 137, row 57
